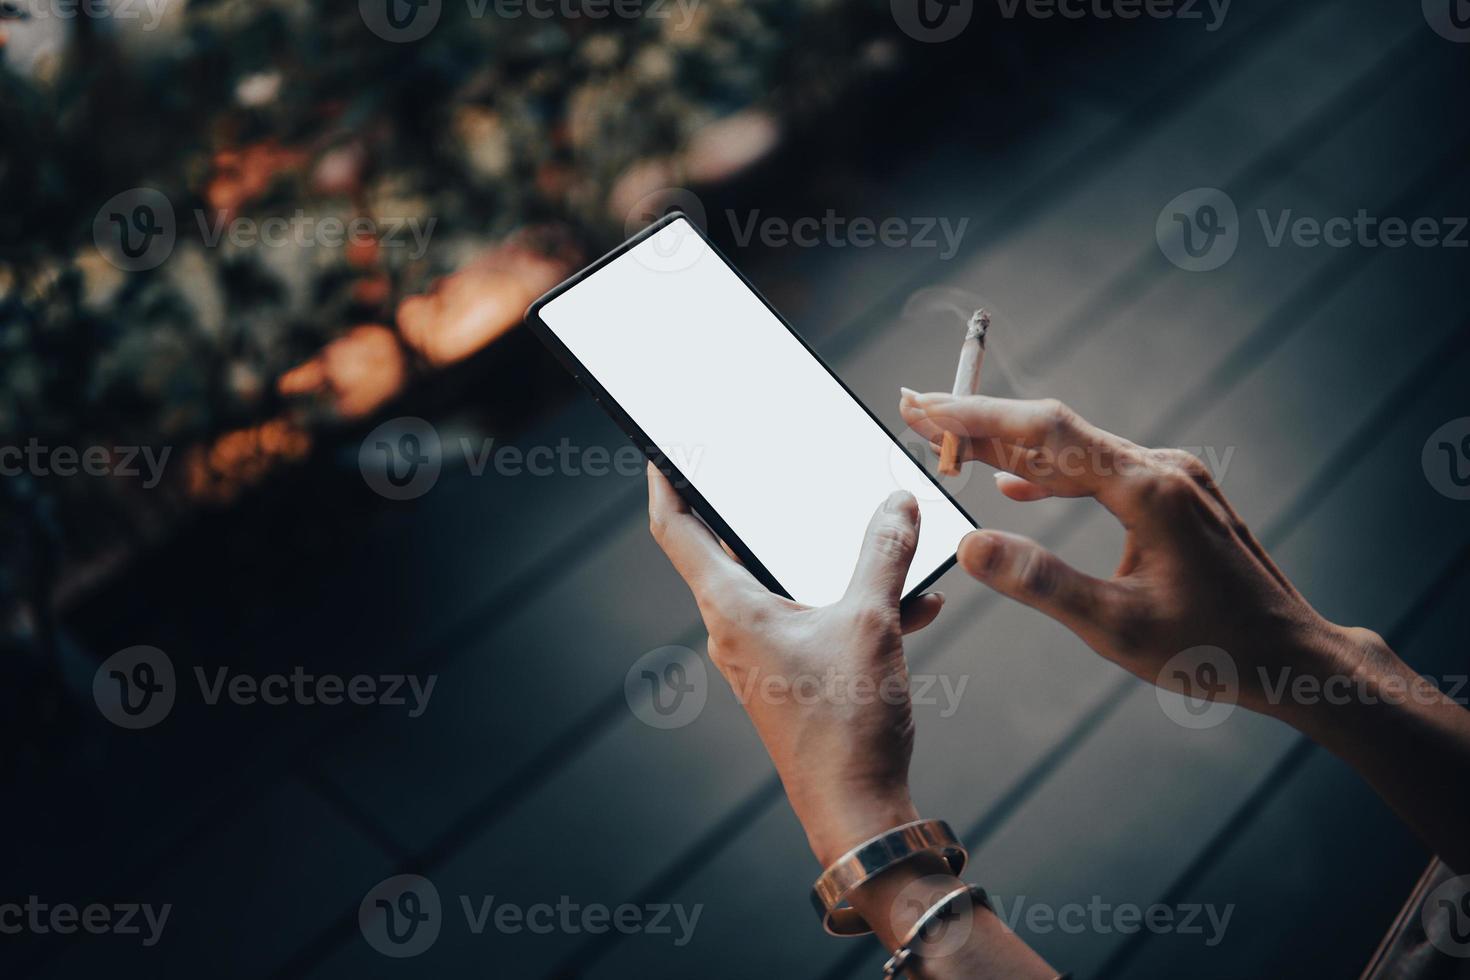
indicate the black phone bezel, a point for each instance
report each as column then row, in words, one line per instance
column 686, row 487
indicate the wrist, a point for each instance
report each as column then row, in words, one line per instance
column 892, row 902
column 835, row 826
column 1349, row 668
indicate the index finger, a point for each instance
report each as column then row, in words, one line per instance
column 697, row 555
column 1043, row 441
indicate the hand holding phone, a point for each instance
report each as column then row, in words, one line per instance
column 768, row 445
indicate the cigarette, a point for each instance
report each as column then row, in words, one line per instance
column 966, row 382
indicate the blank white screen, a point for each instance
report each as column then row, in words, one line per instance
column 786, row 457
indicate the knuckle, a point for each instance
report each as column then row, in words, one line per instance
column 1131, row 626
column 724, row 629
column 1169, row 487
column 892, row 540
column 1053, row 416
column 1364, row 639
column 871, row 619
column 1037, row 575
column 1192, row 467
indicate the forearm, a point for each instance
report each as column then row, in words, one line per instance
column 1408, row 739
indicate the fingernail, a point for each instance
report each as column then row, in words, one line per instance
column 908, row 394
column 896, row 501
column 939, row 596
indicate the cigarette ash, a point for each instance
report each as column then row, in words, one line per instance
column 948, row 313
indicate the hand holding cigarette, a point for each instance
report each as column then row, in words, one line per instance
column 966, row 382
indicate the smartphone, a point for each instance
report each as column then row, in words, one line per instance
column 763, row 439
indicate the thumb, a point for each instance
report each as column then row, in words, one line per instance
column 1020, row 568
column 888, row 548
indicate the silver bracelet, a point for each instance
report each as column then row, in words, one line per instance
column 903, row 957
column 873, row 857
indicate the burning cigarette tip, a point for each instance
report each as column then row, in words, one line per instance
column 979, row 325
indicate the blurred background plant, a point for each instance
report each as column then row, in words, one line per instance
column 521, row 143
